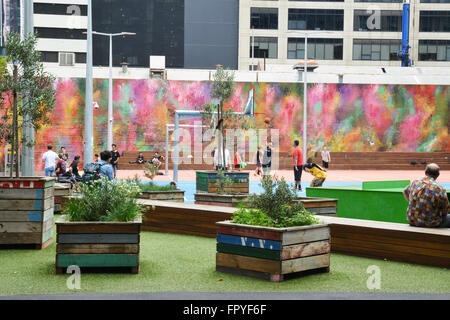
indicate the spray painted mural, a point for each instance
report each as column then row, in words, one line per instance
column 344, row 117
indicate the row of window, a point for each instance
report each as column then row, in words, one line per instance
column 386, row 1
column 332, row 49
column 333, row 20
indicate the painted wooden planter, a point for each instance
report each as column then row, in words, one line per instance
column 26, row 212
column 104, row 246
column 272, row 253
column 206, row 181
column 61, row 190
column 174, row 195
column 216, row 199
column 320, row 206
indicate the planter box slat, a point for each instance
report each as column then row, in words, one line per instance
column 26, row 194
column 26, row 216
column 249, row 242
column 248, row 263
column 97, row 238
column 305, row 250
column 306, row 236
column 97, row 260
column 247, row 232
column 20, row 204
column 27, row 183
column 206, row 181
column 96, row 248
column 250, row 273
column 173, row 196
column 248, row 251
column 18, row 227
column 98, row 228
column 21, row 238
column 306, row 263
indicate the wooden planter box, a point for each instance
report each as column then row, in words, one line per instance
column 206, row 181
column 61, row 190
column 217, row 199
column 26, row 212
column 98, row 246
column 174, row 196
column 272, row 253
column 320, row 206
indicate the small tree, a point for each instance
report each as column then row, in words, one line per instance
column 222, row 89
column 26, row 93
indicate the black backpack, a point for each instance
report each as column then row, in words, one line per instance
column 91, row 172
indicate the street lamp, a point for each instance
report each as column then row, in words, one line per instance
column 305, row 84
column 110, row 87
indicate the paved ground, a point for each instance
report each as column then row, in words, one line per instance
column 333, row 175
column 236, row 296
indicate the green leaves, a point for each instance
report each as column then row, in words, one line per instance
column 105, row 200
column 223, row 181
column 275, row 207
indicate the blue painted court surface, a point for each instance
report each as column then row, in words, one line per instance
column 255, row 187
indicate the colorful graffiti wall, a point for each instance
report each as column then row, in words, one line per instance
column 344, row 117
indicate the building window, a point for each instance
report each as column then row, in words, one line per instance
column 315, row 19
column 60, row 33
column 386, row 1
column 435, row 1
column 376, row 50
column 49, row 56
column 264, row 18
column 434, row 50
column 390, row 20
column 60, row 9
column 80, row 57
column 434, row 21
column 264, row 47
column 318, row 48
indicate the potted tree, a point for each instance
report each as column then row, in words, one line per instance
column 273, row 237
column 211, row 188
column 100, row 228
column 152, row 191
column 26, row 203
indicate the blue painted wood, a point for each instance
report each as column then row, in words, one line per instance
column 97, row 260
column 35, row 216
column 249, row 242
column 98, row 238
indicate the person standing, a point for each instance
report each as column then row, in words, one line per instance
column 297, row 156
column 49, row 158
column 237, row 160
column 218, row 160
column 427, row 201
column 267, row 159
column 326, row 158
column 115, row 155
column 258, row 156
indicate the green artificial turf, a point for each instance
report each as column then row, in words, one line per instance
column 170, row 263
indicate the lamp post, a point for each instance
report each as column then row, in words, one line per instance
column 88, row 112
column 110, row 87
column 305, row 87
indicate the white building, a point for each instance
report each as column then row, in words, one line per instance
column 342, row 32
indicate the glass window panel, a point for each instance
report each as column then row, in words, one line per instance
column 441, row 53
column 320, row 51
column 432, row 49
column 356, row 52
column 384, row 52
column 300, row 54
column 329, row 51
column 366, row 49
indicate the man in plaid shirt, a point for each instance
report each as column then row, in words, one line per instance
column 428, row 202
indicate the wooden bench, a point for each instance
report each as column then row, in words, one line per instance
column 364, row 238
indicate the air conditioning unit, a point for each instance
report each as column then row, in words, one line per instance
column 158, row 67
column 66, row 58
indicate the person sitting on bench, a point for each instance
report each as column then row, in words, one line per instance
column 139, row 160
column 428, row 203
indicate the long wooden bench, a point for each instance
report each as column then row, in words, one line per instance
column 340, row 160
column 372, row 239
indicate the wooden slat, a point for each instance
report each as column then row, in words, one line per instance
column 26, row 216
column 308, row 235
column 249, row 242
column 303, row 264
column 255, row 233
column 96, row 248
column 97, row 260
column 249, row 251
column 25, row 194
column 248, row 263
column 305, row 250
column 98, row 238
column 31, row 205
column 21, row 238
column 27, row 182
column 98, row 228
column 250, row 273
column 20, row 227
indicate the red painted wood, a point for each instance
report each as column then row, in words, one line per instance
column 22, row 184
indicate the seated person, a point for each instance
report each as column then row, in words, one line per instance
column 106, row 168
column 428, row 203
column 63, row 174
column 139, row 160
column 157, row 159
column 317, row 171
column 74, row 168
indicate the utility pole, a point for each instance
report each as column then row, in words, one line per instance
column 88, row 112
column 27, row 159
column 15, row 140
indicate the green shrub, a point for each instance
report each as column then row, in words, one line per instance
column 274, row 207
column 105, row 200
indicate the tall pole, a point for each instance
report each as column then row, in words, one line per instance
column 15, row 137
column 88, row 112
column 305, row 98
column 27, row 159
column 110, row 97
column 175, row 148
column 253, row 50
